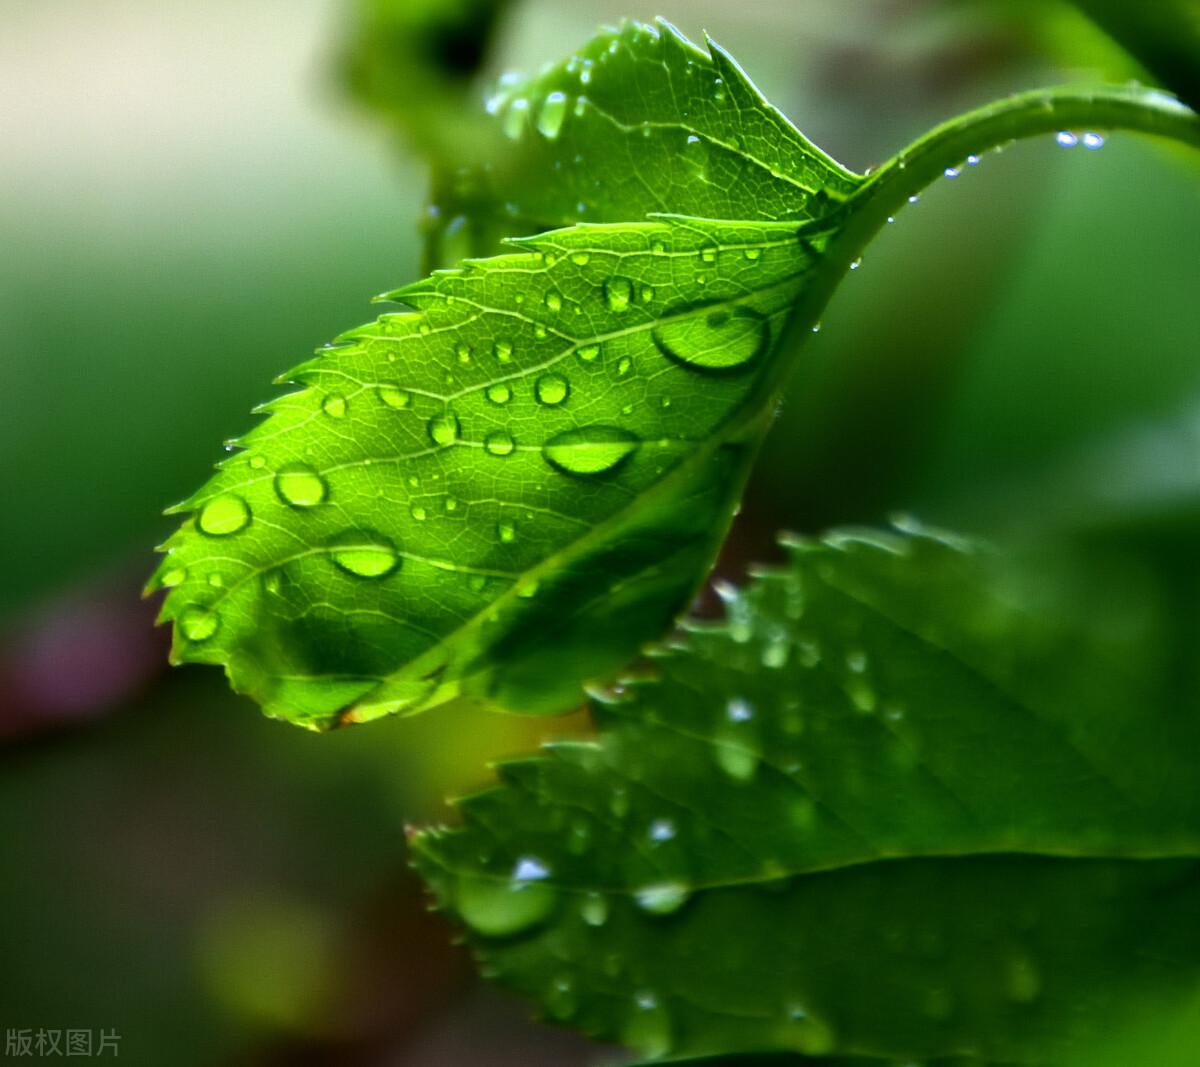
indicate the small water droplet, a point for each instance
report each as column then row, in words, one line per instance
column 1066, row 138
column 173, row 577
column 661, row 830
column 515, row 117
column 506, row 532
column 464, row 354
column 752, row 254
column 580, row 259
column 618, row 292
column 224, row 515
column 594, row 909
column 590, row 450
column 298, row 485
column 444, row 428
column 530, row 869
column 552, row 389
column 499, row 443
column 1092, row 140
column 503, row 351
column 553, row 300
column 663, row 898
column 856, row 263
column 550, row 118
column 738, row 709
column 198, row 624
column 914, row 198
column 952, row 172
column 560, row 998
column 418, row 512
column 972, row 161
column 393, row 396
column 364, row 553
column 499, row 393
column 334, row 405
column 588, row 354
column 257, row 462
column 720, row 341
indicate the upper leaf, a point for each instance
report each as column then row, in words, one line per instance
column 909, row 800
column 638, row 121
column 508, row 488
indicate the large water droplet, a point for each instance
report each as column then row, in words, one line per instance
column 198, row 624
column 499, row 443
column 393, row 396
column 550, row 118
column 663, row 898
column 300, row 486
column 648, row 1028
column 718, row 342
column 364, row 553
column 444, row 428
column 334, row 405
column 224, row 515
column 618, row 293
column 590, row 450
column 502, row 907
column 552, row 389
column 499, row 393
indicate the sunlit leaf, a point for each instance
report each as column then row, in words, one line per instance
column 911, row 799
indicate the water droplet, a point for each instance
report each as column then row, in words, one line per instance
column 298, row 485
column 506, row 532
column 648, row 1028
column 952, row 172
column 1092, row 140
column 618, row 292
column 594, row 909
column 394, row 397
column 464, row 354
column 739, row 710
column 914, row 198
column 444, row 428
column 257, row 462
column 514, row 118
column 552, row 389
column 501, row 908
column 972, row 161
column 720, row 341
column 553, row 300
column 1066, row 138
column 708, row 254
column 661, row 830
column 198, row 624
column 530, row 869
column 450, row 504
column 503, row 351
column 418, row 512
column 224, row 515
column 334, row 405
column 588, row 354
column 590, row 450
column 580, row 259
column 622, row 368
column 173, row 577
column 646, row 294
column 862, row 695
column 499, row 443
column 364, row 553
column 550, row 118
column 775, row 652
column 499, row 393
column 663, row 898
column 752, row 253
column 856, row 263
column 560, row 998
column 1022, row 981
column 216, row 580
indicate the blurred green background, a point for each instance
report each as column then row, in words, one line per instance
column 191, row 200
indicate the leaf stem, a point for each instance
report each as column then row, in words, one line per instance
column 1028, row 114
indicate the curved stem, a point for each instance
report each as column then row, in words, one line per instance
column 1028, row 114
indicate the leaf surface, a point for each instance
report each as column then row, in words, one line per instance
column 909, row 800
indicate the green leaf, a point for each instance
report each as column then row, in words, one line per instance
column 502, row 492
column 912, row 798
column 639, row 121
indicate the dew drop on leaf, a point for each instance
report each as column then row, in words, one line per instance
column 499, row 393
column 299, row 486
column 553, row 300
column 648, row 1028
column 502, row 907
column 198, row 624
column 364, row 553
column 663, row 898
column 418, row 512
column 173, row 577
column 719, row 341
column 503, row 351
column 499, row 443
column 444, row 428
column 224, row 515
column 618, row 292
column 334, row 405
column 552, row 389
column 506, row 532
column 514, row 118
column 553, row 111
column 594, row 909
column 394, row 397
column 588, row 354
column 590, row 450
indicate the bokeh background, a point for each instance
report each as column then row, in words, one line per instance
column 192, row 198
